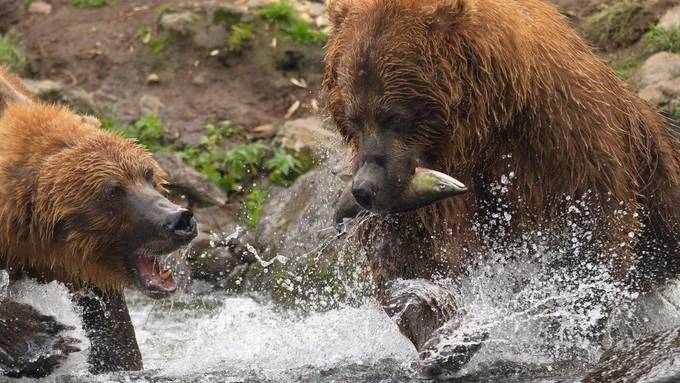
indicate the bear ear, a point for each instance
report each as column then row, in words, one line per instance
column 338, row 11
column 444, row 16
column 11, row 91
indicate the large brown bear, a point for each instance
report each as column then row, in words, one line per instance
column 85, row 207
column 494, row 91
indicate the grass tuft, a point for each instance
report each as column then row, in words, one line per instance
column 284, row 168
column 611, row 26
column 281, row 13
column 659, row 39
column 302, row 32
column 253, row 206
column 241, row 34
column 90, row 3
column 156, row 42
column 284, row 17
column 625, row 69
column 147, row 131
column 12, row 56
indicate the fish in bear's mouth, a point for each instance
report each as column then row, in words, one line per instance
column 154, row 278
column 425, row 188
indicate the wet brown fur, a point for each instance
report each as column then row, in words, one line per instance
column 54, row 166
column 503, row 86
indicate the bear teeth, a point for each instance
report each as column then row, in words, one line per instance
column 166, row 274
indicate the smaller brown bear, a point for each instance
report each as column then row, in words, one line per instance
column 85, row 207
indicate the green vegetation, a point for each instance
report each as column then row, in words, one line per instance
column 284, row 168
column 147, row 131
column 11, row 54
column 676, row 114
column 612, row 26
column 234, row 169
column 302, row 32
column 241, row 33
column 253, row 205
column 228, row 169
column 282, row 13
column 237, row 167
column 283, row 17
column 156, row 42
column 625, row 69
column 90, row 3
column 659, row 39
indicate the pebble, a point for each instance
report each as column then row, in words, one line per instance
column 153, row 79
column 40, row 8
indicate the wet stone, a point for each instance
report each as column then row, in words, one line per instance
column 186, row 180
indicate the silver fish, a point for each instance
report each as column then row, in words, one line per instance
column 427, row 186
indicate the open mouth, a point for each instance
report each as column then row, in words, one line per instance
column 154, row 278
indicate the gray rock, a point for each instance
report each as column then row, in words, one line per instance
column 664, row 95
column 222, row 220
column 307, row 264
column 653, row 358
column 211, row 37
column 42, row 88
column 671, row 18
column 315, row 9
column 40, row 8
column 662, row 66
column 306, row 134
column 220, row 259
column 200, row 79
column 187, row 180
column 214, row 264
column 81, row 100
column 291, row 216
column 149, row 104
column 183, row 22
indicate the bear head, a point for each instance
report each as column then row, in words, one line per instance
column 82, row 205
column 391, row 90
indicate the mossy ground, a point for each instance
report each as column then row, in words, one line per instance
column 611, row 27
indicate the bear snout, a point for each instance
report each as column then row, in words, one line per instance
column 182, row 225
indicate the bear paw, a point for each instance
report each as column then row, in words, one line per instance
column 31, row 344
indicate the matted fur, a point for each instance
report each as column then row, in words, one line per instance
column 507, row 85
column 54, row 166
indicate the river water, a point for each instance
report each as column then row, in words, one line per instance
column 539, row 330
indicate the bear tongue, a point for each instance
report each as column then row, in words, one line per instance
column 154, row 277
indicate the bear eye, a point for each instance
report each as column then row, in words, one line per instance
column 112, row 192
column 150, row 177
column 393, row 121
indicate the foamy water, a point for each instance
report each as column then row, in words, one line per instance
column 543, row 323
column 542, row 326
column 243, row 335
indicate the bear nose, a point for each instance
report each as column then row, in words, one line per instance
column 181, row 224
column 364, row 192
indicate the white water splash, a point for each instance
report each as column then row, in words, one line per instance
column 243, row 335
column 54, row 299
